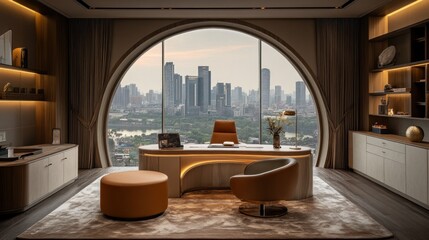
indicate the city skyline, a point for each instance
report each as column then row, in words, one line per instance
column 231, row 55
column 196, row 99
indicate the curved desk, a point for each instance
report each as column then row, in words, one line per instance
column 197, row 166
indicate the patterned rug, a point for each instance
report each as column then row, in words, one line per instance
column 212, row 215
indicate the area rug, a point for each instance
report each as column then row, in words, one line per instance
column 212, row 215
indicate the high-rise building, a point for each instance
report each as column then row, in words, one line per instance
column 178, row 82
column 228, row 94
column 278, row 95
column 220, row 98
column 122, row 97
column 204, row 88
column 288, row 100
column 169, row 85
column 237, row 96
column 265, row 87
column 191, row 100
column 134, row 91
column 300, row 94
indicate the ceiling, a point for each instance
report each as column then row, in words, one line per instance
column 214, row 8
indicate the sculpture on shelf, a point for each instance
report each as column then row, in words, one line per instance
column 387, row 56
column 414, row 133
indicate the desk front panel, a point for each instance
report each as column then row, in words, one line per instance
column 189, row 170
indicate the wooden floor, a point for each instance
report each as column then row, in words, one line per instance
column 403, row 218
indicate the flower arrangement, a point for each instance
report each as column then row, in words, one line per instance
column 276, row 124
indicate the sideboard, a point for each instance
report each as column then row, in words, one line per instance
column 393, row 162
column 27, row 181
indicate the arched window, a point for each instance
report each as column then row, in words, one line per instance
column 187, row 81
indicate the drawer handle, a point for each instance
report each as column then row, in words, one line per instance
column 50, row 164
column 63, row 159
column 383, row 142
column 383, row 151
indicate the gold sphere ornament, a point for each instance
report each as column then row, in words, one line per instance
column 414, row 133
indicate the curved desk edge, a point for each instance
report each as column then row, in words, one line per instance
column 201, row 167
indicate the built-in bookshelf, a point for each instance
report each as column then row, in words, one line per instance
column 407, row 93
column 21, row 92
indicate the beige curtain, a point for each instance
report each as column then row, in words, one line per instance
column 90, row 56
column 338, row 80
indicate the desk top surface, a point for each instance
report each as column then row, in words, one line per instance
column 238, row 149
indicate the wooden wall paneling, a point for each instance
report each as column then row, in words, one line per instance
column 400, row 78
column 365, row 60
column 400, row 103
column 378, row 26
column 52, row 59
column 402, row 44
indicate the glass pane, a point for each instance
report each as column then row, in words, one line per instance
column 211, row 74
column 284, row 89
column 135, row 111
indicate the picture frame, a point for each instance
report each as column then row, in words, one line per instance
column 169, row 140
column 56, row 136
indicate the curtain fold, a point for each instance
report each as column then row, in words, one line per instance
column 338, row 79
column 90, row 56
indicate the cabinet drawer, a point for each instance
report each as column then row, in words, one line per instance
column 394, row 146
column 386, row 153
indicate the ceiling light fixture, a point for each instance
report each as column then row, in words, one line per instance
column 22, row 6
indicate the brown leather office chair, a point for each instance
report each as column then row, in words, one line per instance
column 224, row 130
column 265, row 183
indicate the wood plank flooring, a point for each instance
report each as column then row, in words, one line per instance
column 403, row 218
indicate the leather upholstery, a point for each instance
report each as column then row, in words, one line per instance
column 224, row 130
column 266, row 181
column 134, row 194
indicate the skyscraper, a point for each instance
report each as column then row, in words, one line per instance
column 237, row 96
column 191, row 99
column 178, row 82
column 220, row 98
column 278, row 95
column 204, row 88
column 228, row 94
column 300, row 94
column 169, row 85
column 265, row 87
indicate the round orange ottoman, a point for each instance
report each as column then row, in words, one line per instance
column 134, row 194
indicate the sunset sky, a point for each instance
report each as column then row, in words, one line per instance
column 232, row 57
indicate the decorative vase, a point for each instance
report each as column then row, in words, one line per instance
column 414, row 133
column 276, row 141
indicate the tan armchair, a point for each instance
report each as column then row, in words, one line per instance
column 265, row 183
column 224, row 130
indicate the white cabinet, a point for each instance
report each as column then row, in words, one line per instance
column 386, row 162
column 394, row 173
column 55, row 172
column 395, row 162
column 359, row 152
column 51, row 173
column 36, row 177
column 417, row 173
column 37, row 180
column 70, row 164
column 375, row 166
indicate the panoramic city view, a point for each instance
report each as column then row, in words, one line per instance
column 183, row 84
